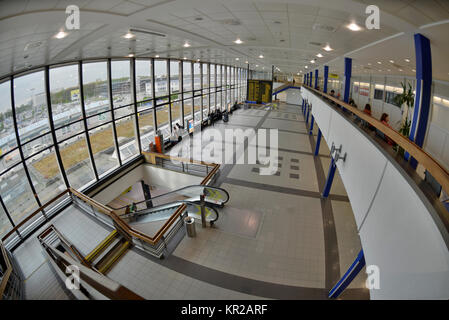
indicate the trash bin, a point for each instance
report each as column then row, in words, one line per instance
column 190, row 226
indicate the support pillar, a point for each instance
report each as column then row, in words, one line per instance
column 421, row 110
column 311, row 125
column 347, row 84
column 326, row 76
column 318, row 141
column 307, row 117
column 329, row 179
column 316, row 79
column 310, row 78
column 347, row 278
column 147, row 194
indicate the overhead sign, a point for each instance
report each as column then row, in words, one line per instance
column 333, row 76
column 259, row 91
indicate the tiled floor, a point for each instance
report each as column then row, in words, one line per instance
column 271, row 232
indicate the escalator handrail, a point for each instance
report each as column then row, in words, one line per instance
column 176, row 191
column 170, row 205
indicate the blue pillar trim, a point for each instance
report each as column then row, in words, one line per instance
column 326, row 76
column 311, row 125
column 310, row 78
column 348, row 72
column 350, row 274
column 318, row 141
column 307, row 117
column 330, row 179
column 316, row 79
column 423, row 91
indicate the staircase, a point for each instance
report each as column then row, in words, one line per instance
column 108, row 252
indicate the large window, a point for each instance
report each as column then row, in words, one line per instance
column 121, row 84
column 66, row 109
column 144, row 89
column 160, row 74
column 97, row 132
column 9, row 154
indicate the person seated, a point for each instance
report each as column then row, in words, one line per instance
column 385, row 120
column 367, row 109
column 332, row 94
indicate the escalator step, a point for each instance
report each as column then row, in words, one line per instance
column 101, row 246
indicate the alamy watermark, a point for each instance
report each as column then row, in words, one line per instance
column 72, row 282
column 373, row 20
column 72, row 21
column 222, row 146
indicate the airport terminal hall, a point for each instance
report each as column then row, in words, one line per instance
column 222, row 155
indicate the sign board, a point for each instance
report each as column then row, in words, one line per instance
column 75, row 94
column 259, row 91
column 190, row 126
column 333, row 76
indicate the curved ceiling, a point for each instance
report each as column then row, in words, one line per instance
column 287, row 33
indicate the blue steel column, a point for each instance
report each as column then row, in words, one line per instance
column 310, row 78
column 348, row 71
column 311, row 125
column 330, row 178
column 350, row 274
column 307, row 79
column 326, row 76
column 316, row 79
column 318, row 141
column 423, row 92
column 307, row 117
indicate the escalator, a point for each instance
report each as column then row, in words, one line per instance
column 161, row 207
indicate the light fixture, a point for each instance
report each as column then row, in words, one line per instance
column 198, row 60
column 378, row 62
column 328, row 48
column 131, row 55
column 297, row 74
column 319, row 55
column 237, row 59
column 246, row 62
column 306, row 67
column 413, row 70
column 353, row 27
column 257, row 65
column 185, row 58
column 157, row 56
column 186, row 45
column 369, row 63
column 238, row 41
column 61, row 34
column 261, row 56
column 407, row 60
column 129, row 35
column 391, row 61
column 400, row 69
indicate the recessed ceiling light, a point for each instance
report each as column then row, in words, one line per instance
column 131, row 55
column 238, row 41
column 413, row 70
column 261, row 56
column 186, row 45
column 391, row 61
column 246, row 62
column 319, row 55
column 407, row 60
column 237, row 59
column 306, row 67
column 328, row 48
column 378, row 62
column 129, row 35
column 157, row 56
column 353, row 27
column 400, row 69
column 369, row 63
column 61, row 34
column 257, row 65
column 198, row 60
column 185, row 58
column 312, row 61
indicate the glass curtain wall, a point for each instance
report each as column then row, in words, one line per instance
column 71, row 125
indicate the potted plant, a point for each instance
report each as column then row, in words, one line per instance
column 406, row 100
